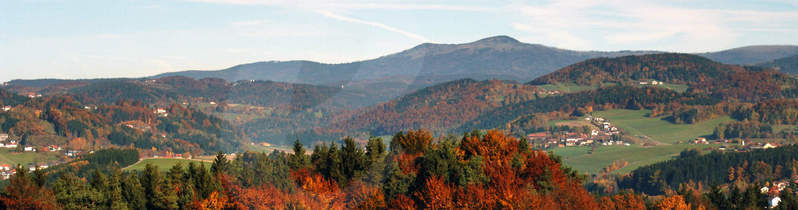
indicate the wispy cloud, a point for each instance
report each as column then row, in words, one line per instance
column 375, row 24
column 585, row 24
column 357, row 4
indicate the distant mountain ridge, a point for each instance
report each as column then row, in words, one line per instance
column 750, row 55
column 787, row 65
column 499, row 57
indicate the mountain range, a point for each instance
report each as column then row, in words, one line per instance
column 391, row 76
column 499, row 57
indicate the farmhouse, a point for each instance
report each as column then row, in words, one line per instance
column 53, row 148
column 652, row 82
column 537, row 136
column 72, row 153
column 10, row 145
column 161, row 112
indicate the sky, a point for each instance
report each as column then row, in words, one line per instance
column 71, row 39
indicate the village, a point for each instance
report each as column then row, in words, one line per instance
column 58, row 154
column 12, row 146
column 737, row 145
column 603, row 133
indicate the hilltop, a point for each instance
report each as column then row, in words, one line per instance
column 439, row 108
column 750, row 55
column 499, row 57
column 700, row 74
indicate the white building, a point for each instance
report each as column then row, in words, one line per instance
column 774, row 202
column 72, row 153
column 161, row 112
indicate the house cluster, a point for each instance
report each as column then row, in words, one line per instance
column 161, row 112
column 34, row 95
column 761, row 145
column 699, row 140
column 5, row 142
column 72, row 153
column 6, row 171
column 164, row 154
column 652, row 82
column 572, row 139
column 138, row 125
column 607, row 129
column 772, row 191
column 605, row 136
column 549, row 92
column 48, row 148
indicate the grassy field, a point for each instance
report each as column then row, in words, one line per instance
column 163, row 164
column 635, row 123
column 571, row 87
column 579, row 159
column 270, row 149
column 25, row 158
column 676, row 87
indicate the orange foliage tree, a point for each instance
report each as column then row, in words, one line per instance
column 675, row 202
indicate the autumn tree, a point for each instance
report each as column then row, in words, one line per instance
column 22, row 192
column 675, row 202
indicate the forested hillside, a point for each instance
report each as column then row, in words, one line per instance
column 64, row 121
column 521, row 117
column 481, row 170
column 439, row 108
column 701, row 75
column 716, row 168
column 787, row 65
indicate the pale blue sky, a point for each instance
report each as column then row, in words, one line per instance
column 134, row 38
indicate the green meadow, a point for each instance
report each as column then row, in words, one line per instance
column 636, row 123
column 163, row 164
column 12, row 158
column 579, row 159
